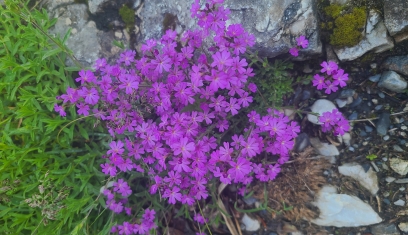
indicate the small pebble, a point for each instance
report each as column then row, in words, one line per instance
column 387, row 137
column 386, row 194
column 404, row 127
column 351, row 149
column 375, row 101
column 353, row 116
column 399, row 203
column 381, row 95
column 402, row 189
column 402, row 181
column 398, row 148
column 386, row 201
column 389, row 179
column 368, row 129
column 363, row 133
column 403, row 142
column 375, row 78
column 365, row 143
column 385, row 159
column 385, row 167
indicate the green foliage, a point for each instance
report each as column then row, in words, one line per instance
column 371, row 157
column 273, row 81
column 347, row 27
column 128, row 16
column 33, row 74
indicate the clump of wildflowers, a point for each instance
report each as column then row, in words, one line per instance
column 332, row 77
column 301, row 42
column 171, row 104
column 334, row 121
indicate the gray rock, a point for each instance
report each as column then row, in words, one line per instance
column 319, row 107
column 368, row 129
column 400, row 166
column 373, row 19
column 399, row 203
column 250, row 224
column 363, row 133
column 398, row 64
column 396, row 18
column 377, row 40
column 383, row 123
column 94, row 5
column 384, row 229
column 84, row 39
column 389, row 179
column 356, row 102
column 302, row 141
column 325, row 149
column 353, row 116
column 375, row 78
column 403, row 226
column 346, row 93
column 402, row 181
column 378, row 107
column 397, row 148
column 342, row 210
column 386, row 201
column 392, row 81
column 367, row 179
column 274, row 23
column 341, row 102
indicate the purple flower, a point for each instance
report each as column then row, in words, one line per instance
column 319, row 81
column 330, row 87
column 83, row 109
column 60, row 109
column 239, row 169
column 173, row 195
column 221, row 59
column 85, row 76
column 199, row 218
column 302, row 41
column 116, row 148
column 294, row 51
column 340, row 77
column 162, row 62
column 329, row 67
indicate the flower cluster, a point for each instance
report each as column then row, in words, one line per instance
column 145, row 225
column 332, row 77
column 334, row 121
column 301, row 42
column 169, row 111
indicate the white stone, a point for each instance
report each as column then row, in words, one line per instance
column 377, row 40
column 399, row 203
column 398, row 165
column 342, row 210
column 403, row 227
column 325, row 149
column 389, row 179
column 373, row 19
column 341, row 102
column 118, row 34
column 346, row 138
column 319, row 107
column 367, row 179
column 250, row 223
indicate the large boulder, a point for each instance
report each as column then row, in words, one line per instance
column 396, row 18
column 275, row 23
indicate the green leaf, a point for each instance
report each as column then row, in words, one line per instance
column 83, row 132
column 51, row 53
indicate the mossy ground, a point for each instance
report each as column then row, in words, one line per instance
column 343, row 24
